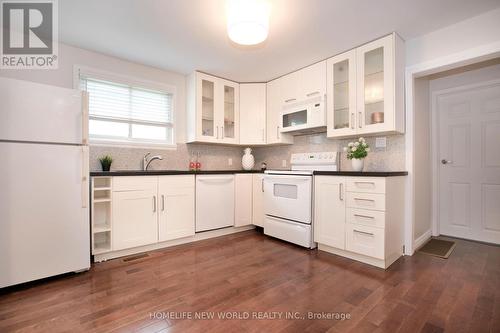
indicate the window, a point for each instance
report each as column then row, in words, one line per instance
column 128, row 114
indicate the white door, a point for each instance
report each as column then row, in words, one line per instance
column 41, row 113
column 258, row 200
column 469, row 157
column 329, row 211
column 214, row 202
column 288, row 197
column 44, row 221
column 135, row 220
column 312, row 81
column 274, row 105
column 175, row 207
column 242, row 200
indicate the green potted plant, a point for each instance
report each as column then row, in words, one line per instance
column 356, row 152
column 106, row 162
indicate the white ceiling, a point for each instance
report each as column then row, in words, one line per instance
column 184, row 35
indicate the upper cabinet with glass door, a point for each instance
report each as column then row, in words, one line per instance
column 365, row 89
column 213, row 109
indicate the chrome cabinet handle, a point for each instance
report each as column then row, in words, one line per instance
column 262, row 184
column 341, row 190
column 364, row 216
column 312, row 93
column 360, row 119
column 277, row 132
column 290, row 100
column 352, row 121
column 443, row 161
column 217, row 132
column 154, row 203
column 361, row 199
column 363, row 232
column 162, row 203
column 364, row 183
column 222, row 132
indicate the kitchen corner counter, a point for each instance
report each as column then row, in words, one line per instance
column 166, row 172
column 362, row 173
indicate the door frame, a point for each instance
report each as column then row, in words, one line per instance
column 447, row 62
column 435, row 151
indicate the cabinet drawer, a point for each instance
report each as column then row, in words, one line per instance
column 135, row 183
column 371, row 218
column 366, row 185
column 368, row 241
column 372, row 201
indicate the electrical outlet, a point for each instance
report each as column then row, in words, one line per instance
column 283, row 163
column 381, row 142
column 230, row 161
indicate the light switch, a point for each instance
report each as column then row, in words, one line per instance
column 381, row 142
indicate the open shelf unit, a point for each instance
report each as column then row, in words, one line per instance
column 101, row 214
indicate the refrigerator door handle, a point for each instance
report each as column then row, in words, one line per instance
column 85, row 176
column 85, row 117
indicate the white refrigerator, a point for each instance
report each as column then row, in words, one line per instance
column 44, row 185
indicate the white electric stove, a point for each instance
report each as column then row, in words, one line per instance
column 288, row 197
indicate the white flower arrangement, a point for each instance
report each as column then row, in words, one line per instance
column 358, row 149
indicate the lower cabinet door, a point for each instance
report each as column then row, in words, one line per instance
column 368, row 241
column 242, row 200
column 329, row 211
column 176, row 207
column 134, row 218
column 258, row 200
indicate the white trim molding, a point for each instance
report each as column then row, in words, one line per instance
column 421, row 240
column 456, row 60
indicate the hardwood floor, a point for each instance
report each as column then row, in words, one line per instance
column 253, row 274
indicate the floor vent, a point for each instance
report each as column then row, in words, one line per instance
column 137, row 257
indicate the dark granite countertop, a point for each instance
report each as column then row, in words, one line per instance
column 221, row 172
column 166, row 172
column 362, row 173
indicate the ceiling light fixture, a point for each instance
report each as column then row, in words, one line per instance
column 248, row 21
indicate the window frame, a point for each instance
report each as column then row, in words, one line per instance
column 97, row 74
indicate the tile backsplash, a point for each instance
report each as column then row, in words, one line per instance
column 391, row 158
column 212, row 157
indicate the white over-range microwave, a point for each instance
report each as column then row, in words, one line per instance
column 304, row 115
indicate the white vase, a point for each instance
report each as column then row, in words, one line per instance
column 247, row 161
column 358, row 164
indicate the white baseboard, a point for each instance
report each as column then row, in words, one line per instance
column 417, row 243
column 197, row 237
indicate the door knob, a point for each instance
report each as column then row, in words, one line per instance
column 446, row 161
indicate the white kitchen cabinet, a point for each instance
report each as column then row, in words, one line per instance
column 312, row 81
column 135, row 212
column 212, row 109
column 330, row 211
column 360, row 217
column 252, row 113
column 273, row 114
column 242, row 199
column 176, row 207
column 258, row 199
column 374, row 72
column 214, row 202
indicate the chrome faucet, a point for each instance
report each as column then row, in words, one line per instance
column 147, row 161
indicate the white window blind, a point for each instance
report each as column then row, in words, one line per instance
column 124, row 113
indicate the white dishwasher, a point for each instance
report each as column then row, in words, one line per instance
column 214, row 202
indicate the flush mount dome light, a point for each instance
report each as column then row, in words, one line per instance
column 247, row 21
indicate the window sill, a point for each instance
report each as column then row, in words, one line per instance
column 128, row 144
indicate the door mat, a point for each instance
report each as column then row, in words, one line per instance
column 438, row 248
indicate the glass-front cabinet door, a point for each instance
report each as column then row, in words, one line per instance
column 207, row 107
column 375, row 79
column 229, row 126
column 341, row 94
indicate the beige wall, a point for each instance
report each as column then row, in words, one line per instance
column 422, row 158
